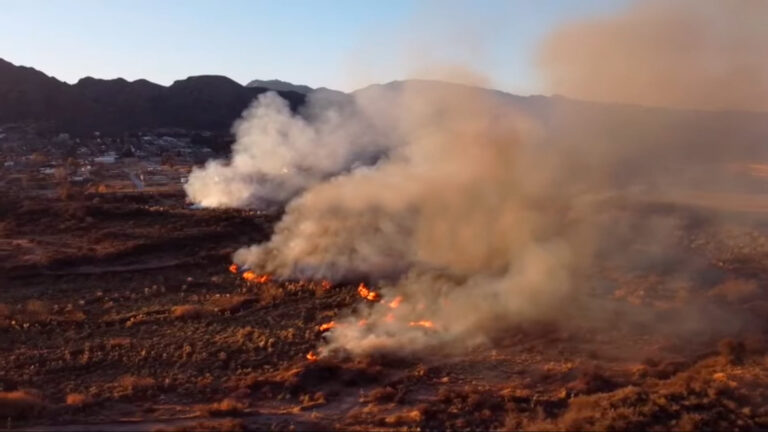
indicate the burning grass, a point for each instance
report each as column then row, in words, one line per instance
column 231, row 347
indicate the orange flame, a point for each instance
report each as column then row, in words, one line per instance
column 251, row 276
column 311, row 356
column 233, row 268
column 366, row 293
column 326, row 284
column 422, row 323
column 396, row 302
column 327, row 326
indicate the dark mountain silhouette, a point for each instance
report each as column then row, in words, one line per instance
column 279, row 85
column 651, row 136
column 114, row 106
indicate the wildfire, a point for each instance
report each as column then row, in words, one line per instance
column 327, row 326
column 233, row 268
column 422, row 323
column 367, row 293
column 396, row 302
column 326, row 284
column 251, row 276
column 311, row 356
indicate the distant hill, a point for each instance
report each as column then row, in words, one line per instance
column 213, row 103
column 112, row 106
column 278, row 85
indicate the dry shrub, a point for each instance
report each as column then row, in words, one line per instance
column 227, row 407
column 136, row 320
column 119, row 342
column 230, row 304
column 77, row 400
column 736, row 290
column 732, row 352
column 620, row 410
column 380, row 395
column 668, row 369
column 245, row 335
column 36, row 310
column 706, row 397
column 189, row 312
column 20, row 404
column 130, row 385
column 461, row 408
column 309, row 401
column 591, row 381
column 404, row 418
column 270, row 293
column 72, row 314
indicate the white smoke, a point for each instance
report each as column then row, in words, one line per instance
column 277, row 154
column 448, row 216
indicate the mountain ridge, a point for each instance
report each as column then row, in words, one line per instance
column 214, row 102
column 203, row 102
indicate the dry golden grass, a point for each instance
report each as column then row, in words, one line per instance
column 20, row 404
column 227, row 407
column 189, row 312
column 230, row 304
column 130, row 385
column 270, row 293
column 71, row 314
column 404, row 418
column 77, row 400
column 119, row 342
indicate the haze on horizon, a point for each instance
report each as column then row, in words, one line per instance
column 341, row 44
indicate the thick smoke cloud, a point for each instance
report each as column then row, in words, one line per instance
column 453, row 217
column 278, row 154
column 476, row 213
column 704, row 54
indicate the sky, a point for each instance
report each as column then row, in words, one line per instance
column 340, row 44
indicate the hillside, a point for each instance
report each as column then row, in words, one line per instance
column 114, row 106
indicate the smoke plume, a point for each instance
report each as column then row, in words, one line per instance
column 277, row 154
column 704, row 54
column 449, row 217
column 469, row 213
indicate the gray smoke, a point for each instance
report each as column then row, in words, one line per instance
column 472, row 213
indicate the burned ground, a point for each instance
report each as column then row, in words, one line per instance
column 117, row 311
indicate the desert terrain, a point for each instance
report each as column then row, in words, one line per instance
column 119, row 311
